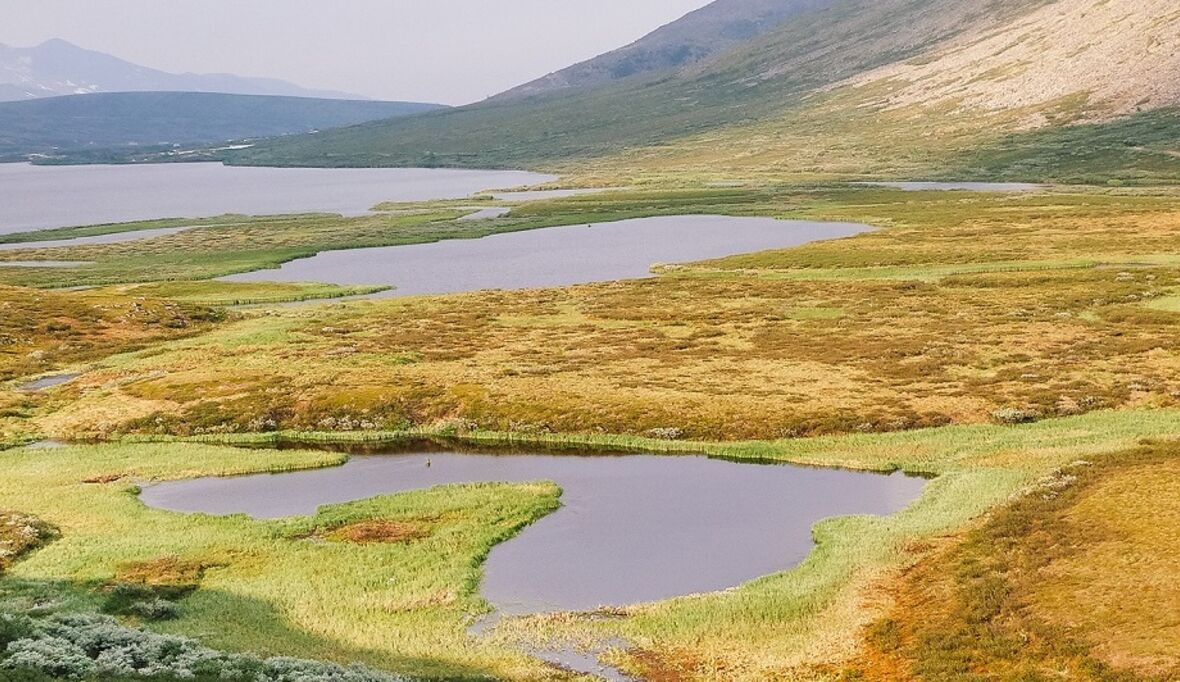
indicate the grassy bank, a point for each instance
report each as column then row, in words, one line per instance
column 223, row 294
column 354, row 583
column 983, row 339
column 1068, row 581
column 963, row 308
column 292, row 587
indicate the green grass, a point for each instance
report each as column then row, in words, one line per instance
column 403, row 606
column 991, row 302
column 1137, row 150
column 267, row 589
column 216, row 293
column 1170, row 304
column 60, row 233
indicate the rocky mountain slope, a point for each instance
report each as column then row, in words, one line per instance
column 697, row 36
column 1069, row 90
column 752, row 82
column 1114, row 57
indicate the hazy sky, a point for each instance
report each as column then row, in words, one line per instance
column 449, row 51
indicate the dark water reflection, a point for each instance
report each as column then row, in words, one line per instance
column 631, row 528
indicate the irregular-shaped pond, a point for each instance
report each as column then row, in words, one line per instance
column 550, row 257
column 47, row 382
column 631, row 529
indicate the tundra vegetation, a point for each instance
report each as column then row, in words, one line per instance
column 1021, row 349
column 994, row 342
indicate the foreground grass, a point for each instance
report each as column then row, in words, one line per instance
column 801, row 624
column 963, row 309
column 321, row 587
column 1068, row 582
column 242, row 293
column 272, row 588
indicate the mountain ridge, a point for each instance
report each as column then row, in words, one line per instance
column 755, row 81
column 694, row 37
column 58, row 67
column 100, row 124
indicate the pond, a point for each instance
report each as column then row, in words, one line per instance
column 551, row 257
column 39, row 197
column 47, row 382
column 631, row 529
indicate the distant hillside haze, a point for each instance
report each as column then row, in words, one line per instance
column 107, row 122
column 703, row 33
column 1030, row 90
column 57, row 67
column 817, row 45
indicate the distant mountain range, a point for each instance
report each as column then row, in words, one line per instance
column 119, row 126
column 57, row 67
column 1071, row 90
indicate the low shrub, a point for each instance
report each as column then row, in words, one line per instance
column 20, row 534
column 664, row 433
column 91, row 647
column 149, row 602
column 1015, row 415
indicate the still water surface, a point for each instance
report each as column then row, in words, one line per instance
column 631, row 528
column 39, row 197
column 551, row 257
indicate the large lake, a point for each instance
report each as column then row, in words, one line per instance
column 631, row 529
column 38, row 197
column 555, row 256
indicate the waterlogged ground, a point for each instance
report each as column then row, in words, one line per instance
column 1041, row 326
column 631, row 528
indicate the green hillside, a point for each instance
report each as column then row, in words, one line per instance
column 711, row 30
column 756, row 80
column 153, row 119
column 846, row 90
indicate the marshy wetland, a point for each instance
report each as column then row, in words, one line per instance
column 820, row 341
column 983, row 340
column 631, row 528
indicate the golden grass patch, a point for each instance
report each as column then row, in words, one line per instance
column 1076, row 579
